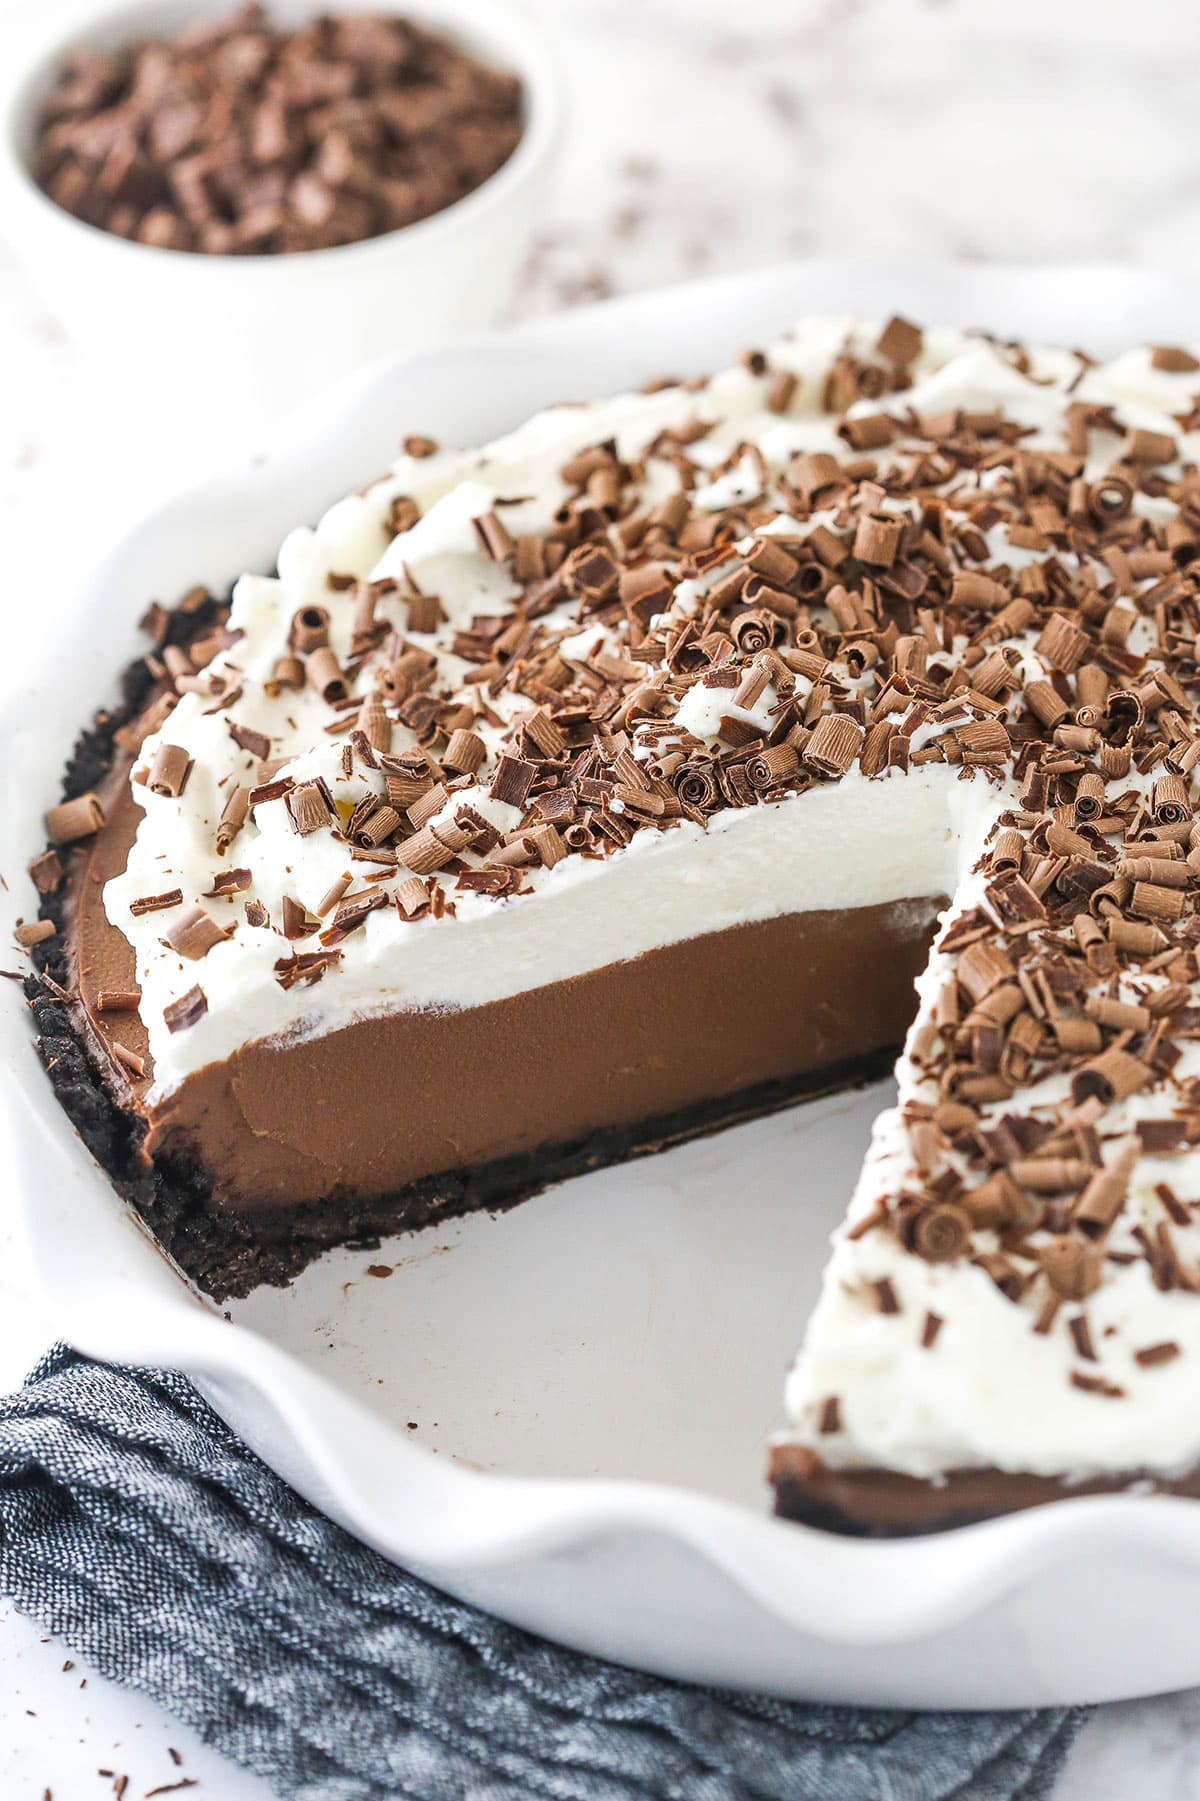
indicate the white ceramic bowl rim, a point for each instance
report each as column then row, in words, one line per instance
column 498, row 31
column 1030, row 1609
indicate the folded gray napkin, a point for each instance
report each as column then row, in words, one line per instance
column 136, row 1527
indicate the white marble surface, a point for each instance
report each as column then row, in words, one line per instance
column 702, row 137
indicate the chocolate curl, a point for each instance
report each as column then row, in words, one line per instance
column 1089, row 798
column 548, row 844
column 46, row 872
column 1050, row 1175
column 74, row 819
column 869, row 431
column 155, row 903
column 1072, row 1267
column 35, row 932
column 426, row 852
column 1007, row 850
column 969, row 588
column 287, row 673
column 493, row 536
column 1078, row 1037
column 324, row 674
column 1046, row 704
column 428, row 802
column 374, row 724
column 255, row 743
column 696, row 786
column 1062, row 644
column 233, row 817
column 412, row 899
column 834, row 744
column 512, row 780
column 425, row 614
column 1104, row 1196
column 118, row 1000
column 1149, row 448
column 900, row 341
column 382, row 823
column 365, row 629
column 309, row 808
column 984, row 742
column 1117, row 1016
column 296, row 922
column 194, row 934
column 1154, row 900
column 773, row 563
column 1171, row 802
column 771, row 767
column 997, row 1201
column 755, row 631
column 332, row 896
column 1112, row 1076
column 1134, row 938
column 305, row 966
column 1168, row 874
column 982, row 967
column 1172, row 359
column 940, row 1234
column 310, row 630
column 465, row 752
column 877, row 539
column 752, row 685
column 169, row 771
column 187, row 1011
column 813, row 472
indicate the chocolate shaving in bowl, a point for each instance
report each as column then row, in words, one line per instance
column 244, row 137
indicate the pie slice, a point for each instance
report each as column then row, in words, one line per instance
column 558, row 800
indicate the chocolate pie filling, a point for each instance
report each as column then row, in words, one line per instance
column 435, row 1111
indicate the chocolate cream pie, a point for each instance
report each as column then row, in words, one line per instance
column 397, row 886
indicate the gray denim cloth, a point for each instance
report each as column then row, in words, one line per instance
column 137, row 1527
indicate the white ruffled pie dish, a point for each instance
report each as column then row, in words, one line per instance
column 595, row 1372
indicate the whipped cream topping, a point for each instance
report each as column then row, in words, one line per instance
column 749, row 863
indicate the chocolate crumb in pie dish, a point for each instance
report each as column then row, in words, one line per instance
column 555, row 801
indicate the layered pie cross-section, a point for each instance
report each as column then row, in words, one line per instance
column 556, row 800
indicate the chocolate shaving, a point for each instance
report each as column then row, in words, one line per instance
column 37, row 931
column 194, row 934
column 46, row 872
column 74, row 819
column 156, row 903
column 185, row 1012
column 305, row 967
column 169, row 771
column 118, row 1000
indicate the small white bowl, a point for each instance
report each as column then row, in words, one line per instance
column 228, row 343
